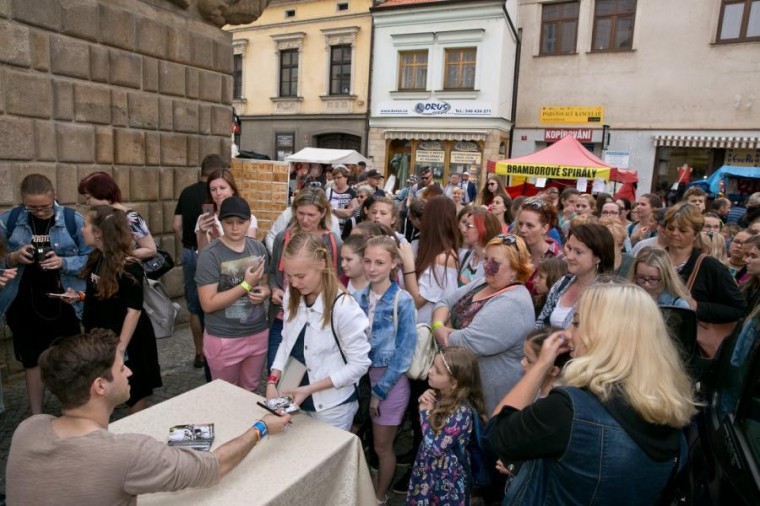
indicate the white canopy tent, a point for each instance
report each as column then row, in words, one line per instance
column 328, row 156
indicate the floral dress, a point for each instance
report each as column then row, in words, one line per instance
column 441, row 473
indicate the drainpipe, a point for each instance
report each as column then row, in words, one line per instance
column 369, row 81
column 518, row 50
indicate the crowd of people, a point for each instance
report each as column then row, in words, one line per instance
column 546, row 312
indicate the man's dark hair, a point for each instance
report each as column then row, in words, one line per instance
column 211, row 163
column 720, row 203
column 71, row 365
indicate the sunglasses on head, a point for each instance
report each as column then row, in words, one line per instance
column 507, row 239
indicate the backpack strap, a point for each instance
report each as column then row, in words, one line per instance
column 69, row 219
column 332, row 327
column 12, row 219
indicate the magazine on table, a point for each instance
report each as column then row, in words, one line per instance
column 199, row 436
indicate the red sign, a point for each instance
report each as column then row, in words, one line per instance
column 580, row 134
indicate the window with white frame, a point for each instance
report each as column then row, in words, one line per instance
column 239, row 47
column 412, row 70
column 459, row 68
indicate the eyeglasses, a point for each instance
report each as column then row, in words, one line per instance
column 468, row 225
column 507, row 239
column 38, row 209
column 315, row 184
column 643, row 280
column 492, row 183
column 610, row 213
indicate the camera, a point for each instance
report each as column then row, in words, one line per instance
column 39, row 252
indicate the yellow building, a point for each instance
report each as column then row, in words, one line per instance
column 301, row 76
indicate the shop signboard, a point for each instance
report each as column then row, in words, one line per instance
column 433, row 108
column 743, row 157
column 466, row 157
column 430, row 156
column 553, row 115
column 619, row 159
column 580, row 134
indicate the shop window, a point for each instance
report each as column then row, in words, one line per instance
column 340, row 69
column 289, row 73
column 430, row 154
column 739, row 21
column 613, row 25
column 284, row 144
column 559, row 28
column 412, row 70
column 465, row 156
column 459, row 73
column 237, row 76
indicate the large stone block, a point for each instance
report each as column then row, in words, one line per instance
column 143, row 110
column 192, row 151
column 15, row 48
column 129, row 147
column 171, row 78
column 211, row 87
column 92, row 104
column 100, row 68
column 67, row 183
column 145, row 186
column 201, row 51
column 204, row 119
column 150, row 74
column 28, row 95
column 166, row 176
column 104, row 144
column 184, row 178
column 63, row 100
column 223, row 57
column 227, row 90
column 80, row 18
column 185, row 116
column 168, row 214
column 45, row 13
column 69, row 57
column 117, row 27
column 226, row 148
column 156, row 223
column 165, row 114
column 46, row 141
column 152, row 37
column 76, row 143
column 40, row 50
column 173, row 150
column 221, row 120
column 17, row 140
column 179, row 45
column 119, row 108
column 208, row 145
column 125, row 68
column 7, row 171
column 152, row 148
column 5, row 8
column 122, row 177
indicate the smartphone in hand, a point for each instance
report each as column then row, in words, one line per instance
column 207, row 208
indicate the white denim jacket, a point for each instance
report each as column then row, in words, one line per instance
column 321, row 352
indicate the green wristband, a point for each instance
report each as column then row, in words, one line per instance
column 246, row 286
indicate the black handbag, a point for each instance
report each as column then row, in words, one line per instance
column 158, row 265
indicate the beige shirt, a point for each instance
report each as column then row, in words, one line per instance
column 99, row 468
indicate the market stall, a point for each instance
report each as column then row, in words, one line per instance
column 560, row 165
column 731, row 181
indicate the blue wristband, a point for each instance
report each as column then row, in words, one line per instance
column 260, row 426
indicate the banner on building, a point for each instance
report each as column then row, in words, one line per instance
column 552, row 115
column 432, row 108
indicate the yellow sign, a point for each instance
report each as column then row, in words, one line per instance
column 554, row 115
column 551, row 171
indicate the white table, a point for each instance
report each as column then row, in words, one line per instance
column 312, row 464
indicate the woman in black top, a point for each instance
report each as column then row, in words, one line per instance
column 114, row 299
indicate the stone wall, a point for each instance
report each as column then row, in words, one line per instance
column 140, row 89
column 264, row 184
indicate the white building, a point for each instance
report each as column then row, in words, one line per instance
column 442, row 85
column 677, row 82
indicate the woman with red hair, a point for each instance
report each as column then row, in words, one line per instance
column 100, row 189
column 478, row 228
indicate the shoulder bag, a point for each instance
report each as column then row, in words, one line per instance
column 159, row 308
column 709, row 335
column 424, row 350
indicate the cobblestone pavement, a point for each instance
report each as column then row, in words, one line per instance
column 175, row 355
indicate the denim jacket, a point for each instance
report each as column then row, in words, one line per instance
column 555, row 292
column 668, row 299
column 391, row 347
column 72, row 251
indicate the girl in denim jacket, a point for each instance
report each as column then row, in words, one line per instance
column 393, row 338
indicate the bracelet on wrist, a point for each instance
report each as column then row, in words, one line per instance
column 272, row 379
column 406, row 273
column 246, row 286
column 436, row 325
column 262, row 428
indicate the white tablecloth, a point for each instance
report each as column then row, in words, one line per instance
column 312, row 464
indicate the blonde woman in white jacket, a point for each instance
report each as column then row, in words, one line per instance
column 325, row 329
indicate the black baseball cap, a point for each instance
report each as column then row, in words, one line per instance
column 235, row 206
column 374, row 173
